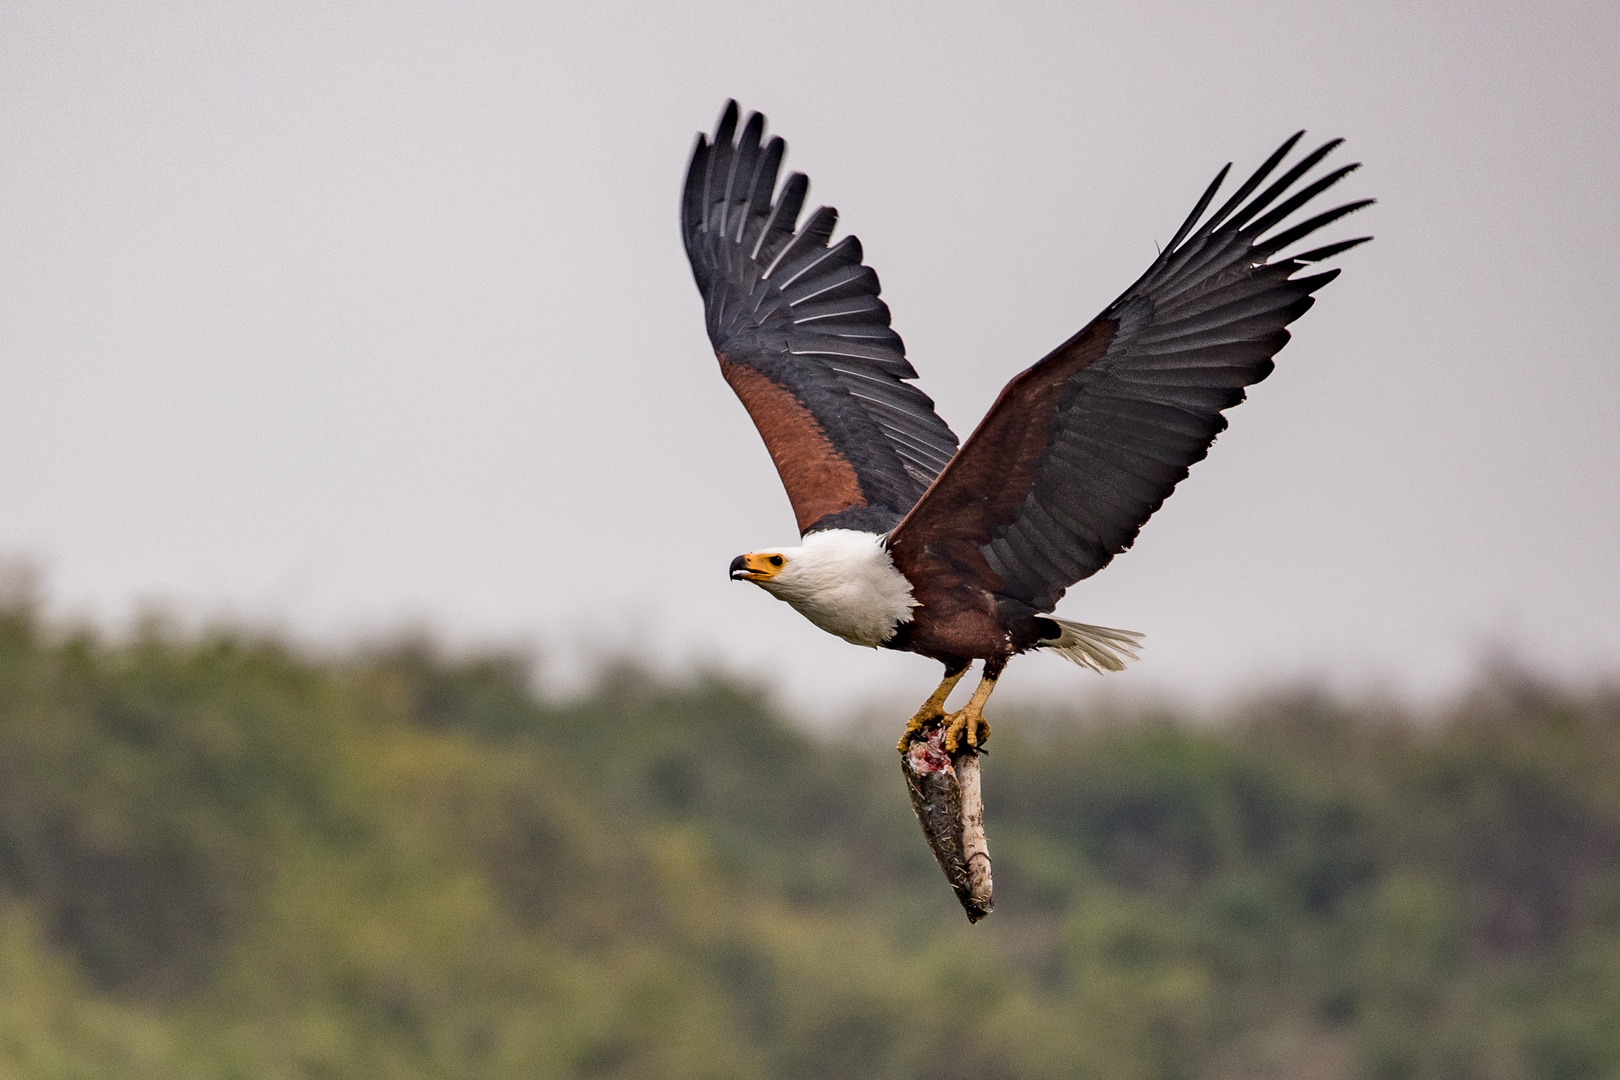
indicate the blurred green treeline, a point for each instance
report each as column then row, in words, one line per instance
column 222, row 856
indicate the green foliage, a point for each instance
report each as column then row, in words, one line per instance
column 221, row 857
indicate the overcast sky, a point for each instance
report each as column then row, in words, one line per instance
column 336, row 316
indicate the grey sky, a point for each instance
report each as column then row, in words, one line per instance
column 332, row 316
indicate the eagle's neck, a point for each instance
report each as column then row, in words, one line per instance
column 844, row 581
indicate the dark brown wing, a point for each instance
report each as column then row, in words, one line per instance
column 1080, row 450
column 804, row 340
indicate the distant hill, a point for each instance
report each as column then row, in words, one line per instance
column 223, row 857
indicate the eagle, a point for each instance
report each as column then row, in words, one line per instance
column 960, row 553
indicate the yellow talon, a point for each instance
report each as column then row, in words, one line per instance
column 932, row 711
column 968, row 724
column 918, row 724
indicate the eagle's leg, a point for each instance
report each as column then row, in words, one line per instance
column 969, row 722
column 933, row 710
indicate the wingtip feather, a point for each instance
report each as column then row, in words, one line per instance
column 1327, row 251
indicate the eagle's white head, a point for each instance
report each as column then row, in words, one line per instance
column 840, row 579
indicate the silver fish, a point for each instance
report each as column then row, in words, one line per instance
column 945, row 796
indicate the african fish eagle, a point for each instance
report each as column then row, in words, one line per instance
column 908, row 542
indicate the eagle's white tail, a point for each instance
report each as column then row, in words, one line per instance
column 1096, row 647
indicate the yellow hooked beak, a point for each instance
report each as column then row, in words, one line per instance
column 756, row 566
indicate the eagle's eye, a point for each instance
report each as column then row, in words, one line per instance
column 776, row 560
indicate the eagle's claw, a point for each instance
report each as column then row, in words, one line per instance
column 968, row 724
column 925, row 719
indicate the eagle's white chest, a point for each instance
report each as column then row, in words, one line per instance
column 844, row 581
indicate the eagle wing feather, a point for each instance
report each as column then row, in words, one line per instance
column 804, row 339
column 1081, row 449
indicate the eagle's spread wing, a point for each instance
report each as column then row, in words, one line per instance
column 1082, row 448
column 804, row 340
